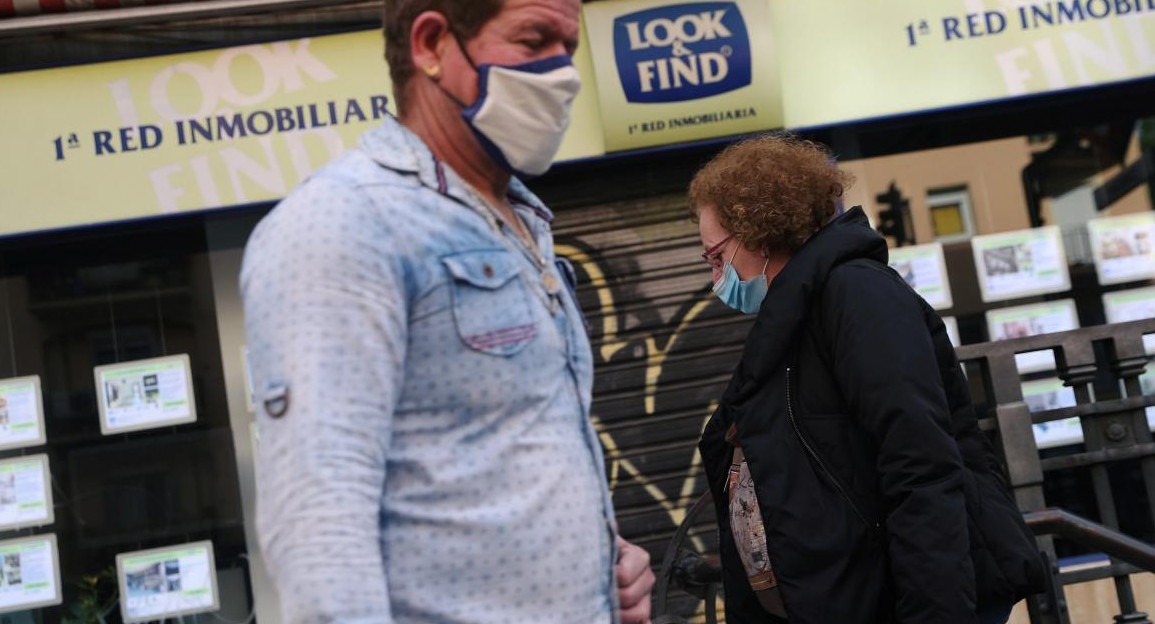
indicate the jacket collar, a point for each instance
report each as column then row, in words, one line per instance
column 789, row 298
column 395, row 147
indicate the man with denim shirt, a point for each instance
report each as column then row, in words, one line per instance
column 423, row 373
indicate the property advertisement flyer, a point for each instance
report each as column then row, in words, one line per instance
column 1147, row 382
column 951, row 329
column 29, row 573
column 1050, row 394
column 167, row 582
column 1132, row 305
column 21, row 413
column 25, row 492
column 1123, row 247
column 924, row 268
column 1033, row 320
column 145, row 394
column 1018, row 264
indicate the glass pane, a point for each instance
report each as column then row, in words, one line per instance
column 947, row 220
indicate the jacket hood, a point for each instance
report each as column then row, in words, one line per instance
column 788, row 300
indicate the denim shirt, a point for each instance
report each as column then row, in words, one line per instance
column 426, row 452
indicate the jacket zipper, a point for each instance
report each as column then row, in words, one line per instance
column 818, row 460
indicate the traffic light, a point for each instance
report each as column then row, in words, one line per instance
column 894, row 221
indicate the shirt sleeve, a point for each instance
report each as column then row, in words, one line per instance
column 885, row 364
column 326, row 323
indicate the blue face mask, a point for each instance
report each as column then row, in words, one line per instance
column 744, row 296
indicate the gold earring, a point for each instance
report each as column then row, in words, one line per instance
column 433, row 71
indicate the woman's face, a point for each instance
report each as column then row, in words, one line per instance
column 719, row 247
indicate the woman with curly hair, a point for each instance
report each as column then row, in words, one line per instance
column 850, row 478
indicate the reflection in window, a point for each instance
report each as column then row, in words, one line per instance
column 950, row 214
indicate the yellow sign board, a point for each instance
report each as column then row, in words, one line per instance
column 844, row 60
column 185, row 132
column 680, row 72
column 234, row 126
column 169, row 134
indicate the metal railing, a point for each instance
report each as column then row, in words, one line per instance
column 1115, row 429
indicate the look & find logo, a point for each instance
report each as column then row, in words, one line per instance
column 682, row 52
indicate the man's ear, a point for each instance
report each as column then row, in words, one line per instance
column 427, row 42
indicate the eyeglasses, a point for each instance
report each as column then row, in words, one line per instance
column 711, row 255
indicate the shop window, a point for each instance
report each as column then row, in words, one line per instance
column 123, row 480
column 951, row 215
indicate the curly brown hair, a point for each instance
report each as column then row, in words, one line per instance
column 772, row 192
column 465, row 18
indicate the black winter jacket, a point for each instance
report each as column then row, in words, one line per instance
column 848, row 402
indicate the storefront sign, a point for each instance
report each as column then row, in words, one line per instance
column 241, row 125
column 670, row 72
column 184, row 132
column 845, row 60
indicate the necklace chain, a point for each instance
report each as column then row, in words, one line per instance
column 547, row 279
column 523, row 238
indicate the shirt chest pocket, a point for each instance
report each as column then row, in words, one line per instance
column 491, row 305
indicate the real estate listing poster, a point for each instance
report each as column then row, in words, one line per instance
column 1132, row 305
column 29, row 573
column 1018, row 264
column 145, row 394
column 924, row 268
column 167, row 582
column 21, row 413
column 1124, row 247
column 1033, row 320
column 25, row 492
column 951, row 329
column 1147, row 382
column 1051, row 394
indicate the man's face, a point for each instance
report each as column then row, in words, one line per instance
column 524, row 31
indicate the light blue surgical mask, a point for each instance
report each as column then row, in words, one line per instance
column 744, row 296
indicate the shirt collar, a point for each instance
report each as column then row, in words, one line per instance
column 395, row 147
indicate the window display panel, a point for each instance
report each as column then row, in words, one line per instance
column 1018, row 264
column 113, row 300
column 25, row 492
column 951, row 329
column 1124, row 247
column 29, row 573
column 1033, row 320
column 1132, row 305
column 1147, row 383
column 924, row 268
column 21, row 413
column 1050, row 394
column 145, row 394
column 167, row 582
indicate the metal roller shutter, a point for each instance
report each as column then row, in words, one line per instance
column 664, row 349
